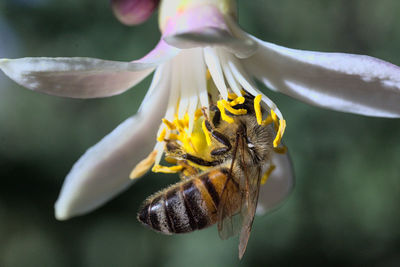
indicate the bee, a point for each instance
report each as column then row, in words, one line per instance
column 225, row 193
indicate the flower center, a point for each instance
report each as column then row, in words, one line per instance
column 217, row 84
column 199, row 143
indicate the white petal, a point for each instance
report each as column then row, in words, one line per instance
column 214, row 66
column 75, row 77
column 84, row 77
column 103, row 171
column 211, row 36
column 200, row 81
column 344, row 82
column 278, row 186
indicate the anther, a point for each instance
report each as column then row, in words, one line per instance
column 279, row 134
column 229, row 107
column 267, row 174
column 198, row 114
column 161, row 137
column 142, row 167
column 165, row 169
column 223, row 113
column 237, row 100
column 169, row 124
column 280, row 149
column 232, row 95
column 275, row 119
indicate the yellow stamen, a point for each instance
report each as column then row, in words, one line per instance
column 142, row 167
column 232, row 96
column 267, row 121
column 206, row 133
column 165, row 169
column 169, row 124
column 186, row 120
column 173, row 136
column 275, row 119
column 188, row 142
column 228, row 107
column 198, row 114
column 161, row 137
column 280, row 150
column 179, row 124
column 223, row 113
column 267, row 174
column 208, row 75
column 237, row 100
column 257, row 109
column 279, row 134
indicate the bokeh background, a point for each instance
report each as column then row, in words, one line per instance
column 345, row 207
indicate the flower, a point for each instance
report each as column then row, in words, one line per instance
column 199, row 35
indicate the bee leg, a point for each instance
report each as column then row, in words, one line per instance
column 187, row 170
column 219, row 137
column 200, row 161
column 217, row 115
column 219, row 151
column 173, row 149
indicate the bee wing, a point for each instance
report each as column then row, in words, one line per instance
column 248, row 210
column 229, row 219
column 238, row 205
column 228, row 212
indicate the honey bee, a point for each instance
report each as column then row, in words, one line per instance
column 227, row 192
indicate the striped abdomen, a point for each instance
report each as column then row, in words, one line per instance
column 188, row 205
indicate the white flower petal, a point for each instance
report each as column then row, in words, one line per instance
column 200, row 81
column 84, row 77
column 103, row 171
column 344, row 82
column 75, row 77
column 214, row 66
column 278, row 186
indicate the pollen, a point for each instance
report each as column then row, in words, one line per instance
column 223, row 113
column 173, row 136
column 169, row 124
column 279, row 134
column 224, row 105
column 267, row 174
column 228, row 106
column 206, row 133
column 280, row 149
column 236, row 101
column 198, row 114
column 161, row 137
column 164, row 169
column 142, row 167
column 232, row 95
column 257, row 109
column 275, row 119
column 279, row 124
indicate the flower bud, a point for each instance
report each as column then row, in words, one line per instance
column 133, row 12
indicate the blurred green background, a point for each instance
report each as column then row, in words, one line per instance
column 345, row 207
